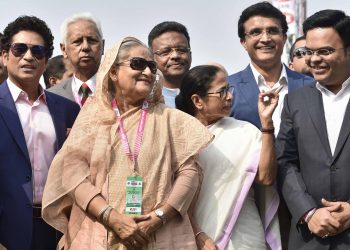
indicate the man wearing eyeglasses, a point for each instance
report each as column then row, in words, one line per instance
column 262, row 30
column 170, row 44
column 82, row 44
column 33, row 127
column 313, row 144
column 297, row 57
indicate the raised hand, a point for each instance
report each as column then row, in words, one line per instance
column 267, row 104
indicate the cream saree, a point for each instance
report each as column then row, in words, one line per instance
column 226, row 208
column 92, row 162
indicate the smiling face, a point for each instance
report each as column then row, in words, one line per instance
column 298, row 64
column 83, row 48
column 265, row 50
column 174, row 65
column 25, row 69
column 212, row 107
column 133, row 86
column 329, row 70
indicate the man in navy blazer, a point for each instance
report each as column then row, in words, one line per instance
column 262, row 29
column 33, row 126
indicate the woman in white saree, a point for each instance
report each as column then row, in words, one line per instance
column 226, row 215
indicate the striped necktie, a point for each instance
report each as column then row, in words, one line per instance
column 85, row 90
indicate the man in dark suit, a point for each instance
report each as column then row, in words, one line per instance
column 82, row 44
column 313, row 144
column 262, row 30
column 33, row 127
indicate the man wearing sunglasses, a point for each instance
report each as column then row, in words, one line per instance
column 170, row 44
column 33, row 127
column 297, row 57
column 82, row 44
column 313, row 144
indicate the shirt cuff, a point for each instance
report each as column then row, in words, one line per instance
column 307, row 216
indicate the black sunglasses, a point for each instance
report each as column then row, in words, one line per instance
column 299, row 52
column 138, row 63
column 19, row 49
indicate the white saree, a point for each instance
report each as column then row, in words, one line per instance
column 226, row 209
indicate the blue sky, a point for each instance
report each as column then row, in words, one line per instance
column 212, row 25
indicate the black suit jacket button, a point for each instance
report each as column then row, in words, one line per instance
column 28, row 177
column 333, row 168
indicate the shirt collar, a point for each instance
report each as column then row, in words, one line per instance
column 17, row 93
column 327, row 92
column 91, row 83
column 259, row 79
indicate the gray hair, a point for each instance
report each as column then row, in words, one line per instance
column 86, row 16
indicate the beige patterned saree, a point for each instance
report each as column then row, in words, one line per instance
column 92, row 161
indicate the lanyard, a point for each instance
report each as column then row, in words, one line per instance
column 139, row 133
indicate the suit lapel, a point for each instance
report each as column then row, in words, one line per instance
column 344, row 132
column 57, row 118
column 314, row 105
column 10, row 117
column 249, row 90
column 68, row 89
column 293, row 82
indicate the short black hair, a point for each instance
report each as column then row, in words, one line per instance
column 28, row 23
column 264, row 9
column 291, row 51
column 167, row 26
column 55, row 67
column 196, row 81
column 336, row 19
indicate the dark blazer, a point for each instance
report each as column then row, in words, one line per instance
column 245, row 98
column 16, row 189
column 307, row 171
column 63, row 89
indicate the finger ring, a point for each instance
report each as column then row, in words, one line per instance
column 325, row 236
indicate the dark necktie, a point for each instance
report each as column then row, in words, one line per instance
column 85, row 90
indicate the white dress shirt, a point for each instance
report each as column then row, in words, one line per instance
column 39, row 133
column 263, row 87
column 334, row 106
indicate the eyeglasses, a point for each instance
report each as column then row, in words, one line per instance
column 138, row 63
column 299, row 52
column 320, row 52
column 19, row 49
column 168, row 51
column 223, row 93
column 257, row 33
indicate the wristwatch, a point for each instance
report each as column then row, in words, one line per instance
column 161, row 215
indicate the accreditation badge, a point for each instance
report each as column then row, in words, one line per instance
column 133, row 195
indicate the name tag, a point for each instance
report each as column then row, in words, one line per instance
column 133, row 195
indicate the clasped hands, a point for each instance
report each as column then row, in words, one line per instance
column 331, row 219
column 134, row 230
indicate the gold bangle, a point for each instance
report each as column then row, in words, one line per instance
column 268, row 130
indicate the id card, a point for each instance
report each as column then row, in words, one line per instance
column 133, row 195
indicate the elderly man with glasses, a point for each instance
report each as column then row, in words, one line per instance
column 33, row 127
column 297, row 57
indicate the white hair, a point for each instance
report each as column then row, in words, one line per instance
column 86, row 16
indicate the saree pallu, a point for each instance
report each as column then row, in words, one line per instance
column 226, row 208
